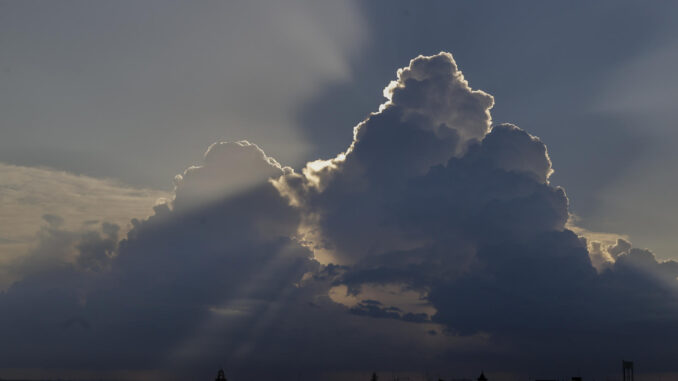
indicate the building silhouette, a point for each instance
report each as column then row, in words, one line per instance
column 220, row 376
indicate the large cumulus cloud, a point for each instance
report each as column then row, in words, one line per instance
column 429, row 198
column 434, row 241
column 432, row 115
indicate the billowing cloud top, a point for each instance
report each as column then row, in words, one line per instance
column 434, row 88
column 351, row 202
column 228, row 168
column 434, row 241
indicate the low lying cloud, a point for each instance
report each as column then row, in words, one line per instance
column 35, row 201
column 435, row 241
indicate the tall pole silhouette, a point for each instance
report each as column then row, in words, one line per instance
column 627, row 370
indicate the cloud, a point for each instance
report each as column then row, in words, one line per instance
column 435, row 241
column 139, row 297
column 32, row 199
column 430, row 104
column 228, row 168
column 433, row 87
column 429, row 197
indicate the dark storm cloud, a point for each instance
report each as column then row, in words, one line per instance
column 482, row 234
column 432, row 221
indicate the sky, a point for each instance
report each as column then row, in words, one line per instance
column 323, row 189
